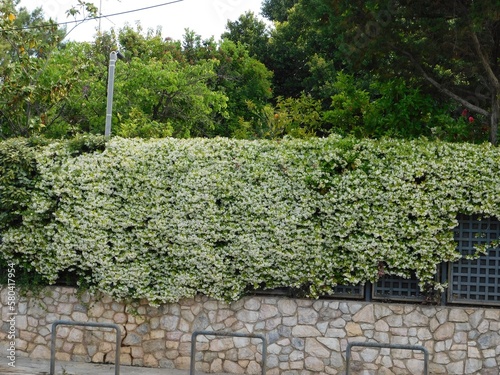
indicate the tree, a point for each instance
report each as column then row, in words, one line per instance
column 250, row 32
column 243, row 79
column 453, row 48
column 155, row 94
column 28, row 40
column 277, row 10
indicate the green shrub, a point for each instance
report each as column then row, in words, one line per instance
column 17, row 180
column 166, row 219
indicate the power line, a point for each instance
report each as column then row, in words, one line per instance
column 96, row 17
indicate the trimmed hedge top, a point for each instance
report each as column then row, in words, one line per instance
column 166, row 219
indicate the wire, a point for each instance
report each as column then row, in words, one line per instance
column 96, row 17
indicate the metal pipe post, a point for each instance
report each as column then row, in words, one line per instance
column 113, row 56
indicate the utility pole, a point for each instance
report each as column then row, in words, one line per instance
column 100, row 15
column 113, row 56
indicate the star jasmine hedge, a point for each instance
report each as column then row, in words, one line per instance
column 166, row 219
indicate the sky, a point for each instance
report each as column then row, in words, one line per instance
column 205, row 17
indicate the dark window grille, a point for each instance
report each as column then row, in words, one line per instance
column 397, row 289
column 475, row 281
column 349, row 291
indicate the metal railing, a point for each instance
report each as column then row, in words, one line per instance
column 83, row 324
column 386, row 346
column 227, row 334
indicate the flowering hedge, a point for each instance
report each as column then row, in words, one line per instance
column 166, row 219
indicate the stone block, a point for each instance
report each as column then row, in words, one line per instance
column 353, row 329
column 315, row 349
column 247, row 316
column 152, row 346
column 307, row 316
column 305, row 331
column 472, row 366
column 75, row 335
column 40, row 352
column 445, row 331
column 287, row 307
column 150, row 361
column 120, row 318
column 455, row 367
column 169, row 322
column 365, row 315
column 132, row 339
column 314, row 364
column 268, row 311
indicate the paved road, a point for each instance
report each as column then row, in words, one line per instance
column 26, row 366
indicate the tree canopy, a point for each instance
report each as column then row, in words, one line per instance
column 367, row 68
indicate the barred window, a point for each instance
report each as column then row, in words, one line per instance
column 475, row 281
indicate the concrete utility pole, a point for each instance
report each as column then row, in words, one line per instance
column 113, row 56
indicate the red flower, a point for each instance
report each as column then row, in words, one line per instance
column 471, row 119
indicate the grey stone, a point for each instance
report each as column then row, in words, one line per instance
column 394, row 320
column 252, row 304
column 365, row 315
column 415, row 366
column 458, row 316
column 442, row 316
column 132, row 339
column 305, row 331
column 248, row 316
column 322, row 327
column 336, row 360
column 489, row 340
column 328, row 313
column 381, row 311
column 314, row 348
column 268, row 311
column 353, row 308
column 475, row 318
column 490, row 362
column 296, row 355
column 166, row 363
column 330, row 342
column 272, row 323
column 285, row 331
column 287, row 307
column 287, row 350
column 152, row 346
column 472, row 366
column 273, row 337
column 201, row 322
column 290, row 321
column 417, row 319
column 272, row 361
column 314, row 364
column 445, row 331
column 274, row 349
column 80, row 308
column 298, row 343
column 307, row 316
column 143, row 329
column 455, row 367
column 169, row 322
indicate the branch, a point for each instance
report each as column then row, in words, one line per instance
column 444, row 90
column 484, row 60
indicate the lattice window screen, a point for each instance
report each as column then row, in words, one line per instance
column 349, row 291
column 397, row 288
column 475, row 281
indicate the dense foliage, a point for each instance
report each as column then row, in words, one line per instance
column 166, row 219
column 419, row 70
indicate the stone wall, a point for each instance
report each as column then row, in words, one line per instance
column 304, row 336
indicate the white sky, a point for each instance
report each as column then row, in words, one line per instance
column 205, row 17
